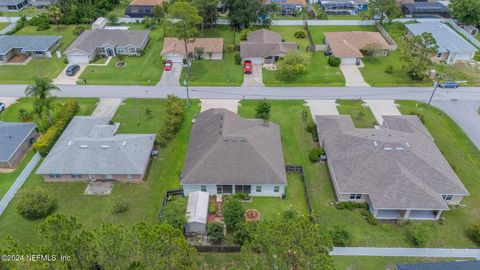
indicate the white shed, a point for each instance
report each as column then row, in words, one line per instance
column 197, row 212
column 100, row 23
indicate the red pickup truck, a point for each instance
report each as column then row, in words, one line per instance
column 247, row 67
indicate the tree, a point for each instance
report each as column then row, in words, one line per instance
column 114, row 246
column 242, row 13
column 288, row 244
column 263, row 110
column 232, row 213
column 158, row 13
column 207, row 9
column 55, row 14
column 292, row 64
column 35, row 203
column 58, row 232
column 475, row 233
column 41, row 90
column 383, row 9
column 417, row 52
column 215, row 232
column 467, row 11
column 174, row 214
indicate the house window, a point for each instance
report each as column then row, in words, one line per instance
column 203, row 188
column 38, row 52
column 54, row 175
column 258, row 188
column 276, row 189
column 447, row 197
column 132, row 50
column 76, row 176
column 439, row 55
column 120, row 51
column 355, row 196
column 129, row 176
column 107, row 176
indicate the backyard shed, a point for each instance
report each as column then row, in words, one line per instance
column 197, row 212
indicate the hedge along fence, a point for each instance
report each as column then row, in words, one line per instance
column 174, row 115
column 310, row 48
column 45, row 143
column 387, row 37
column 168, row 193
column 299, row 169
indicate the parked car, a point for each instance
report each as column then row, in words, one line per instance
column 72, row 70
column 247, row 67
column 2, row 107
column 168, row 65
column 448, row 85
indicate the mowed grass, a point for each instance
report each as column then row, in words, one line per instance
column 3, row 25
column 28, row 11
column 119, row 9
column 381, row 263
column 47, row 67
column 140, row 70
column 144, row 199
column 318, row 31
column 7, row 179
column 361, row 115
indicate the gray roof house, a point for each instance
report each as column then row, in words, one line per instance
column 42, row 3
column 452, row 46
column 27, row 46
column 13, row 5
column 229, row 154
column 15, row 140
column 265, row 46
column 90, row 149
column 105, row 43
column 459, row 265
column 397, row 169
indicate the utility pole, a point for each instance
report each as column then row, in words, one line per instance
column 187, row 78
column 435, row 85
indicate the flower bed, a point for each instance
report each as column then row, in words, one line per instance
column 252, row 215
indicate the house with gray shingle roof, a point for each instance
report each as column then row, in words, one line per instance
column 397, row 169
column 91, row 149
column 29, row 46
column 13, row 5
column 15, row 140
column 229, row 154
column 265, row 46
column 105, row 43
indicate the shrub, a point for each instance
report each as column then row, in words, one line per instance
column 35, row 203
column 300, row 34
column 420, row 234
column 311, row 128
column 262, row 110
column 173, row 120
column 475, row 233
column 46, row 142
column 215, row 232
column 349, row 205
column 315, row 154
column 389, row 69
column 334, row 61
column 24, row 115
column 212, row 208
column 230, row 48
column 241, row 234
column 477, row 56
column 341, row 236
column 119, row 206
column 289, row 214
column 292, row 64
column 241, row 196
column 78, row 30
column 20, row 24
column 244, row 33
column 232, row 213
column 238, row 59
column 174, row 213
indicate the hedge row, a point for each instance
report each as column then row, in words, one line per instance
column 173, row 120
column 47, row 140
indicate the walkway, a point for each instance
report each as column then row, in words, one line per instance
column 19, row 182
column 228, row 104
column 380, row 108
column 107, row 107
column 353, row 76
column 407, row 252
column 322, row 107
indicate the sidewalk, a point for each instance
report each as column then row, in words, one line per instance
column 407, row 252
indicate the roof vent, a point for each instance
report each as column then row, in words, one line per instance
column 406, row 143
column 83, row 146
column 124, row 143
column 387, row 148
column 225, row 140
column 105, row 146
column 399, row 148
column 375, row 143
column 69, row 143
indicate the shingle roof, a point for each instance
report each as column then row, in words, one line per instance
column 27, row 43
column 464, row 265
column 12, row 135
column 286, row 2
column 212, row 45
column 398, row 165
column 349, row 44
column 89, row 40
column 227, row 149
column 89, row 145
column 447, row 39
column 265, row 43
column 10, row 2
column 146, row 2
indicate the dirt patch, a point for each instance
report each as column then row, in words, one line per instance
column 99, row 188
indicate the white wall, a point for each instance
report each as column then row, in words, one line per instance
column 267, row 190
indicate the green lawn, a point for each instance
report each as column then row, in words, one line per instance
column 29, row 11
column 7, row 179
column 144, row 199
column 362, row 116
column 379, row 263
column 119, row 9
column 318, row 31
column 3, row 25
column 287, row 33
column 344, row 17
column 140, row 70
column 49, row 67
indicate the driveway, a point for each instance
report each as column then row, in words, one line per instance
column 228, row 104
column 255, row 79
column 63, row 79
column 322, row 107
column 8, row 101
column 107, row 107
column 172, row 77
column 380, row 108
column 465, row 114
column 353, row 76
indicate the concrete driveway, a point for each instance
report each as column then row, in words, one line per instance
column 353, row 76
column 322, row 107
column 255, row 79
column 8, row 101
column 107, row 107
column 62, row 78
column 380, row 108
column 228, row 104
column 172, row 77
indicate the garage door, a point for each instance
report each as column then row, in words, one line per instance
column 255, row 60
column 78, row 59
column 175, row 58
column 349, row 61
column 463, row 57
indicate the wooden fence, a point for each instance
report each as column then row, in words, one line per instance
column 299, row 170
column 168, row 193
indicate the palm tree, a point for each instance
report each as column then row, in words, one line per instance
column 55, row 14
column 41, row 91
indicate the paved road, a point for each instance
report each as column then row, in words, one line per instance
column 407, row 252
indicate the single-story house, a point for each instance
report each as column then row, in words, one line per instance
column 343, row 7
column 265, row 46
column 42, row 3
column 425, row 10
column 287, row 7
column 142, row 8
column 89, row 149
column 28, row 46
column 197, row 212
column 348, row 46
column 451, row 46
column 15, row 140
column 13, row 5
column 229, row 154
column 106, row 42
column 199, row 48
column 454, row 265
column 397, row 169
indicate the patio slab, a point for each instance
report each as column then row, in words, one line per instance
column 99, row 188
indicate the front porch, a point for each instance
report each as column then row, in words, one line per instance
column 16, row 59
column 406, row 214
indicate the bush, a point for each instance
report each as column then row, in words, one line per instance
column 20, row 24
column 311, row 128
column 244, row 33
column 475, row 233
column 215, row 232
column 315, row 154
column 45, row 143
column 389, row 69
column 334, row 61
column 263, row 109
column 477, row 56
column 24, row 115
column 173, row 120
column 174, row 213
column 35, row 203
column 230, row 48
column 232, row 213
column 212, row 208
column 238, row 59
column 241, row 234
column 300, row 34
column 78, row 30
column 241, row 196
column 341, row 236
column 370, row 218
column 292, row 64
column 349, row 205
column 119, row 206
column 420, row 234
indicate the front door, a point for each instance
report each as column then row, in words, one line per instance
column 110, row 52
